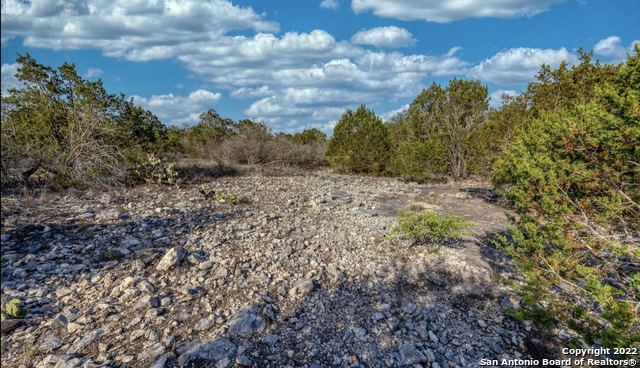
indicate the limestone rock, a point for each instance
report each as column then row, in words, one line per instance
column 172, row 259
column 246, row 322
column 220, row 349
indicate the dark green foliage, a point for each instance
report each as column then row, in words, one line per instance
column 440, row 120
column 175, row 139
column 420, row 161
column 567, row 88
column 139, row 128
column 70, row 131
column 360, row 143
column 310, row 136
column 573, row 175
column 485, row 143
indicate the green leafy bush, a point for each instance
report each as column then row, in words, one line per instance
column 429, row 227
column 433, row 137
column 360, row 143
column 71, row 132
column 419, row 161
column 573, row 177
column 309, row 136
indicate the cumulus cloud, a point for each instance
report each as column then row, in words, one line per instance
column 323, row 92
column 612, row 47
column 307, row 77
column 9, row 79
column 330, row 4
column 384, row 37
column 136, row 30
column 447, row 11
column 179, row 110
column 519, row 65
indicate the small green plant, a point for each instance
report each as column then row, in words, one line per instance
column 228, row 197
column 541, row 317
column 429, row 227
column 208, row 194
column 14, row 309
column 110, row 255
column 221, row 196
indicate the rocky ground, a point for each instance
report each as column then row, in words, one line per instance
column 298, row 274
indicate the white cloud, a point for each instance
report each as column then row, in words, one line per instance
column 451, row 10
column 308, row 77
column 246, row 92
column 93, row 72
column 9, row 79
column 323, row 92
column 612, row 47
column 384, row 37
column 330, row 4
column 519, row 65
column 179, row 110
column 136, row 30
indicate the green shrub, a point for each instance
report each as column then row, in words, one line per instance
column 442, row 119
column 419, row 161
column 360, row 143
column 70, row 131
column 202, row 139
column 429, row 227
column 309, row 136
column 573, row 177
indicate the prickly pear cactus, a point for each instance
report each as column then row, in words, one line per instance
column 15, row 309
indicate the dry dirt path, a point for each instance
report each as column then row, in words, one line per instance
column 299, row 274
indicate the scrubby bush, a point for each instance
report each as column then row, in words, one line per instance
column 254, row 144
column 436, row 129
column 484, row 144
column 573, row 175
column 360, row 143
column 429, row 227
column 310, row 136
column 202, row 140
column 419, row 161
column 70, row 131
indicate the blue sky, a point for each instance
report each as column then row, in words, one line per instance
column 299, row 64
